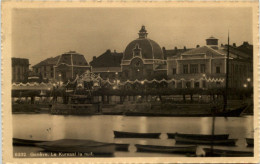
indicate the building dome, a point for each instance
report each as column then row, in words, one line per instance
column 146, row 48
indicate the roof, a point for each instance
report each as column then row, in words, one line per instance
column 20, row 61
column 72, row 58
column 107, row 59
column 237, row 53
column 106, row 69
column 175, row 52
column 246, row 48
column 148, row 48
column 203, row 50
column 48, row 61
column 212, row 38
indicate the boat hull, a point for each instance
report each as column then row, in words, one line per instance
column 226, row 142
column 80, row 146
column 231, row 113
column 250, row 141
column 75, row 109
column 166, row 149
column 25, row 142
column 227, row 153
column 119, row 134
column 121, row 147
column 199, row 136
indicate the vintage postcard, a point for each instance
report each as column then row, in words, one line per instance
column 130, row 82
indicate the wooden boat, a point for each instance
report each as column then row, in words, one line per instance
column 81, row 146
column 227, row 153
column 119, row 134
column 121, row 147
column 226, row 142
column 250, row 141
column 232, row 113
column 25, row 142
column 229, row 113
column 166, row 149
column 199, row 136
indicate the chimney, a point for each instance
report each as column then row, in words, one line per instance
column 175, row 48
column 108, row 51
column 94, row 58
column 245, row 43
column 184, row 47
column 222, row 45
column 198, row 46
column 234, row 45
column 114, row 51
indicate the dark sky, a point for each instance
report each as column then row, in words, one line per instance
column 42, row 33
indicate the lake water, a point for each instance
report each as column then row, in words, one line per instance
column 100, row 128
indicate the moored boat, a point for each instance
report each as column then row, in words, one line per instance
column 250, row 141
column 166, row 149
column 119, row 134
column 199, row 136
column 75, row 145
column 25, row 142
column 225, row 142
column 121, row 147
column 227, row 153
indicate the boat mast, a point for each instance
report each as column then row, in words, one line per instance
column 227, row 78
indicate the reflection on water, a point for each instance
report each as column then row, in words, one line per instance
column 100, row 128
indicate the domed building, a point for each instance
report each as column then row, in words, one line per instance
column 143, row 58
column 69, row 65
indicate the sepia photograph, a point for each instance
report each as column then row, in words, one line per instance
column 124, row 81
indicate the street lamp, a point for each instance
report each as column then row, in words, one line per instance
column 245, row 85
column 248, row 79
column 59, row 78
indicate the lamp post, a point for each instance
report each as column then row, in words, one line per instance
column 248, row 81
column 59, row 79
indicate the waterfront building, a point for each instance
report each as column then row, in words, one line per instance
column 205, row 67
column 143, row 58
column 69, row 65
column 20, row 68
column 45, row 69
column 107, row 65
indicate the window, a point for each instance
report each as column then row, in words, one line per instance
column 51, row 68
column 44, row 68
column 179, row 85
column 204, row 84
column 51, row 74
column 194, row 68
column 174, row 71
column 202, row 68
column 217, row 69
column 188, row 84
column 185, row 68
column 36, row 70
column 197, row 84
column 45, row 74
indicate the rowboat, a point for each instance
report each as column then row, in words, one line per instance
column 226, row 142
column 199, row 136
column 119, row 134
column 227, row 153
column 166, row 149
column 121, row 147
column 80, row 146
column 250, row 141
column 25, row 142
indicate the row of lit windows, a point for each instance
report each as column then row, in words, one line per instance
column 194, row 68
